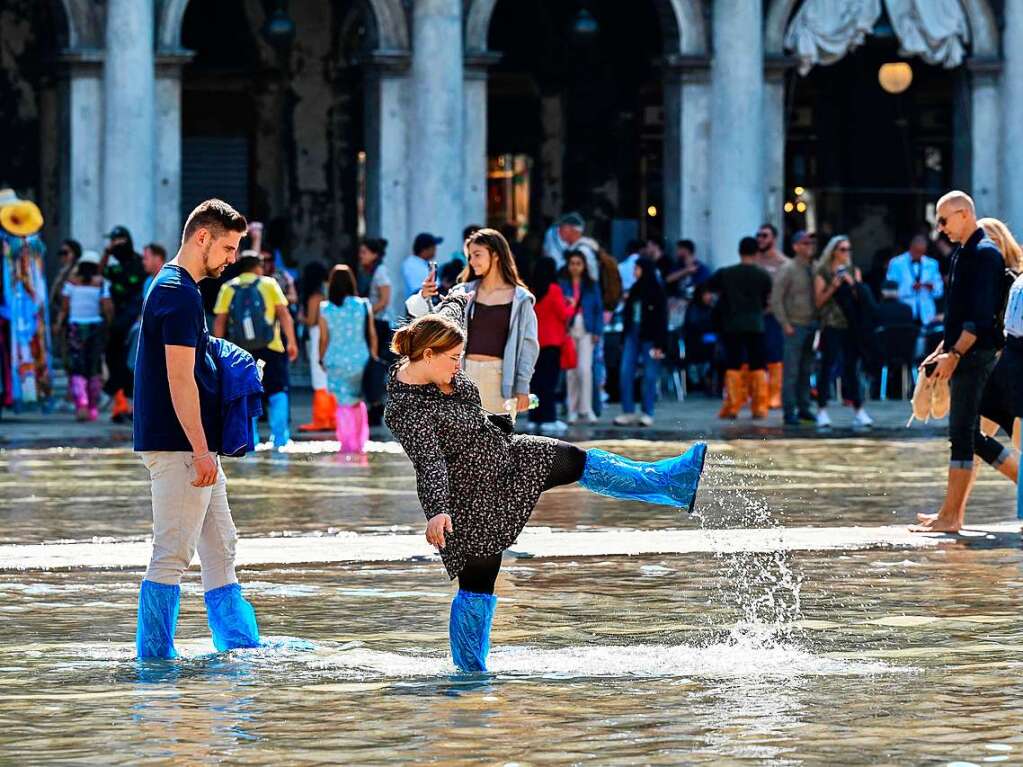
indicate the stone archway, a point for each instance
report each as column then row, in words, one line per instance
column 686, row 84
column 389, row 18
column 986, row 108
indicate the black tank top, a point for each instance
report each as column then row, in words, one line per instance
column 489, row 326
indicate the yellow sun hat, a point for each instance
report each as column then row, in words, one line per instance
column 19, row 217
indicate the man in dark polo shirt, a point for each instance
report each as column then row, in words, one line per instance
column 967, row 354
column 178, row 433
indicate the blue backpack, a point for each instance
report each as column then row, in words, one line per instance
column 246, row 318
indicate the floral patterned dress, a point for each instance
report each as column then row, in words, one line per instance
column 486, row 480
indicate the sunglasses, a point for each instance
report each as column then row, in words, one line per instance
column 942, row 220
column 843, row 248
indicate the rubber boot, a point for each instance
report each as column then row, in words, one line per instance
column 324, row 412
column 78, row 390
column 760, row 388
column 157, row 619
column 231, row 618
column 671, row 481
column 120, row 408
column 279, row 416
column 352, row 428
column 774, row 374
column 469, row 630
column 95, row 390
column 734, row 395
column 255, row 431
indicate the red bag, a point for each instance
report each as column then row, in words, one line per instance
column 569, row 354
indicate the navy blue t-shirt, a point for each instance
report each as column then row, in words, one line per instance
column 173, row 315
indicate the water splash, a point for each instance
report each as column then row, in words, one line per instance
column 763, row 588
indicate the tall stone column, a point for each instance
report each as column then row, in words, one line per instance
column 388, row 165
column 437, row 136
column 986, row 140
column 475, row 124
column 81, row 182
column 774, row 141
column 130, row 125
column 687, row 150
column 1012, row 109
column 736, row 161
column 169, row 218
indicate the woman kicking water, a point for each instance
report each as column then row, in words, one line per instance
column 478, row 483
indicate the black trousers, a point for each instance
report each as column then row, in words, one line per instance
column 839, row 345
column 121, row 377
column 545, row 384
column 480, row 575
column 967, row 389
column 749, row 348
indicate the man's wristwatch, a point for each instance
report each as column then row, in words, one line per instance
column 956, row 353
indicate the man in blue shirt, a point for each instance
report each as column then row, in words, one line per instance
column 919, row 280
column 178, row 433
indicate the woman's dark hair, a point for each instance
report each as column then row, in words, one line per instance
column 648, row 287
column 76, row 249
column 585, row 280
column 494, row 241
column 544, row 274
column 341, row 285
column 313, row 277
column 87, row 271
column 375, row 245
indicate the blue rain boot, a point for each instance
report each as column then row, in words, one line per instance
column 255, row 432
column 469, row 630
column 158, row 616
column 1019, row 498
column 671, row 482
column 231, row 618
column 279, row 415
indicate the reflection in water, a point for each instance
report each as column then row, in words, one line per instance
column 808, row 657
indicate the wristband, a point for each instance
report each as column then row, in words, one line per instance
column 958, row 354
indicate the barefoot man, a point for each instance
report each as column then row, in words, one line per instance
column 967, row 354
column 178, row 433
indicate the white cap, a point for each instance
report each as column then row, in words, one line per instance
column 89, row 257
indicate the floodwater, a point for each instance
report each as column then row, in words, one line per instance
column 871, row 654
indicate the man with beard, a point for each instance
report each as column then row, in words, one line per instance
column 771, row 260
column 178, row 431
column 122, row 267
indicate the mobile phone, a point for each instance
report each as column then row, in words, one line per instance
column 841, row 271
column 433, row 269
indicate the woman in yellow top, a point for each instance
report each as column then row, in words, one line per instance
column 251, row 311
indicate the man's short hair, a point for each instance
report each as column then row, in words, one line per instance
column 959, row 200
column 748, row 247
column 769, row 226
column 216, row 216
column 157, row 250
column 688, row 245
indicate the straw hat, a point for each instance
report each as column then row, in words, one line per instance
column 19, row 217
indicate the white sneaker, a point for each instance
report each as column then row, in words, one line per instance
column 862, row 419
column 572, row 417
column 591, row 418
column 823, row 421
column 625, row 419
column 646, row 420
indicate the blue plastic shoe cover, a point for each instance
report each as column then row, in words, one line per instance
column 158, row 617
column 1019, row 500
column 231, row 618
column 671, row 482
column 279, row 415
column 469, row 629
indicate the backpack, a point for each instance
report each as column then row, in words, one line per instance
column 246, row 318
column 610, row 279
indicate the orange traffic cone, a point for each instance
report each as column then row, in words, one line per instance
column 774, row 373
column 761, row 393
column 324, row 412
